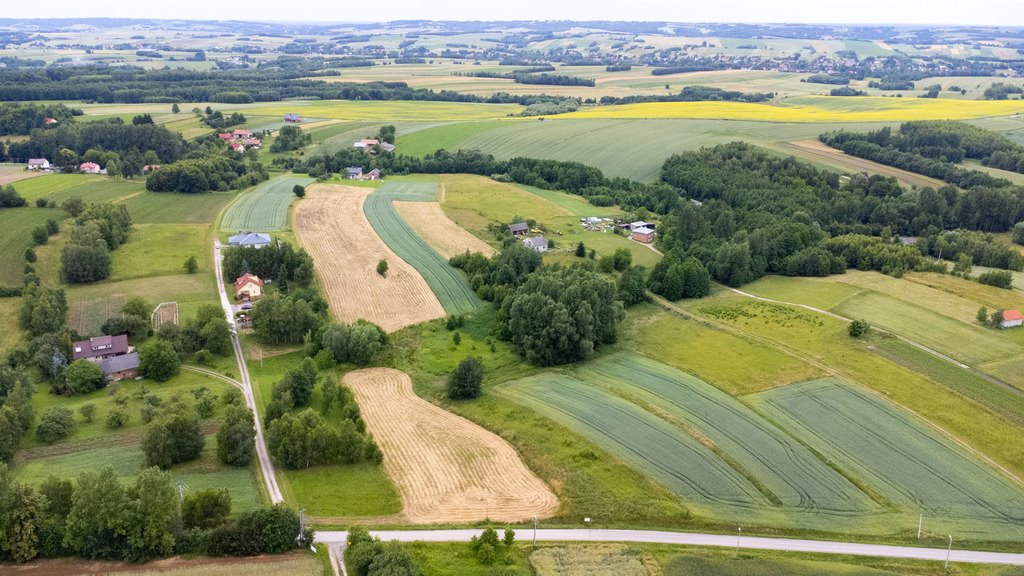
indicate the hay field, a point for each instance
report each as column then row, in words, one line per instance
column 331, row 225
column 447, row 469
column 818, row 151
column 10, row 173
column 812, row 109
column 444, row 236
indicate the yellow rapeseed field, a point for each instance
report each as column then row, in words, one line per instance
column 390, row 110
column 814, row 109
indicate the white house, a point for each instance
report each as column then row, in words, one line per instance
column 38, row 164
column 1011, row 319
column 255, row 239
column 536, row 243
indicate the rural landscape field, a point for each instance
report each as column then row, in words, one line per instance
column 544, row 297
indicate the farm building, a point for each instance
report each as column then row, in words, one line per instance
column 536, row 243
column 225, row 136
column 367, row 144
column 100, row 347
column 121, row 367
column 38, row 164
column 645, row 235
column 292, row 119
column 89, row 168
column 242, row 133
column 254, row 239
column 50, row 121
column 372, row 175
column 251, row 143
column 1011, row 319
column 518, row 228
column 248, row 287
column 149, row 168
column 640, row 224
column 354, row 172
column 237, row 147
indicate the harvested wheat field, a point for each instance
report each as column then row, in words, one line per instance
column 447, row 469
column 331, row 226
column 10, row 173
column 432, row 224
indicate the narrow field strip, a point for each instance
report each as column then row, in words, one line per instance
column 448, row 284
column 447, row 469
column 444, row 236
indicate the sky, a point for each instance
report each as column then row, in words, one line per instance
column 980, row 12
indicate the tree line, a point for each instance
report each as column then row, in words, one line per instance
column 20, row 119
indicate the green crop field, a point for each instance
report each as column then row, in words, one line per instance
column 729, row 463
column 631, row 148
column 265, row 207
column 908, row 463
column 448, row 284
column 88, row 187
column 161, row 249
column 16, row 225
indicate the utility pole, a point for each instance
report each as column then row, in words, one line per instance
column 920, row 521
column 949, row 551
column 739, row 534
column 302, row 524
column 534, row 531
column 589, row 533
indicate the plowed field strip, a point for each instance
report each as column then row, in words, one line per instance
column 447, row 469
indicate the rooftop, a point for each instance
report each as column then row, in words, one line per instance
column 120, row 363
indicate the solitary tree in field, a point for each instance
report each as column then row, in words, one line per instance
column 465, row 381
column 581, row 250
column 982, row 316
column 859, row 328
column 175, row 109
column 299, row 190
column 191, row 266
column 382, row 267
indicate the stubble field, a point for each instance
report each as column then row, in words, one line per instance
column 331, row 225
column 447, row 469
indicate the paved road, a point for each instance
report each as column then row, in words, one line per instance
column 266, row 466
column 691, row 539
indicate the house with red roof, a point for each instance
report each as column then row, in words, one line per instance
column 1011, row 319
column 89, row 168
column 225, row 136
column 50, row 121
column 248, row 287
column 237, row 147
column 242, row 133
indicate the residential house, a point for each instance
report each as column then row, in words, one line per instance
column 50, row 121
column 38, row 164
column 248, row 288
column 372, row 175
column 640, row 224
column 536, row 243
column 1011, row 319
column 254, row 239
column 366, row 144
column 518, row 228
column 251, row 143
column 121, row 367
column 237, row 147
column 150, row 168
column 643, row 234
column 355, row 172
column 100, row 347
column 242, row 133
column 89, row 168
column 386, row 147
column 225, row 136
column 292, row 119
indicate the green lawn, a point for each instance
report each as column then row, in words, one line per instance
column 88, row 187
column 341, row 491
column 734, row 364
column 16, row 225
column 161, row 250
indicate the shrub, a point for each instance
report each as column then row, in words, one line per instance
column 116, row 418
column 30, row 255
column 382, row 267
column 56, row 423
column 206, row 509
column 999, row 278
column 88, row 412
column 191, row 266
column 299, row 190
column 858, row 328
column 465, row 381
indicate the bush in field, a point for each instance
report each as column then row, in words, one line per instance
column 88, row 412
column 206, row 509
column 173, row 439
column 858, row 328
column 56, row 423
column 998, row 278
column 465, row 381
column 382, row 267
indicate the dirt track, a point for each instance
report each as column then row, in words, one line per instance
column 432, row 224
column 815, row 150
column 447, row 469
column 330, row 224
